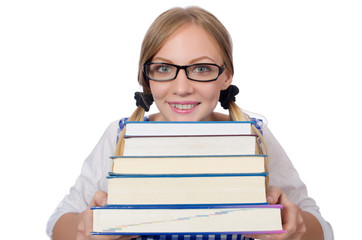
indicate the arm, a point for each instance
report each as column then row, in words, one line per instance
column 91, row 180
column 66, row 227
column 314, row 229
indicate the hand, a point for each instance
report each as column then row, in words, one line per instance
column 292, row 218
column 85, row 220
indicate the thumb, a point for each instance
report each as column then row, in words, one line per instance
column 273, row 194
column 99, row 199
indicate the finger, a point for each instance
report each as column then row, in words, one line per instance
column 274, row 236
column 273, row 194
column 99, row 199
column 293, row 222
column 85, row 225
column 264, row 236
column 290, row 215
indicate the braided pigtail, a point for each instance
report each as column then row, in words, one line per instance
column 227, row 100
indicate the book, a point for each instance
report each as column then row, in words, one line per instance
column 189, row 145
column 188, row 128
column 188, row 164
column 243, row 219
column 167, row 189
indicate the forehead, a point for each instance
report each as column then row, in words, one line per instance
column 188, row 43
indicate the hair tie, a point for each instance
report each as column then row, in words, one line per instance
column 143, row 100
column 228, row 95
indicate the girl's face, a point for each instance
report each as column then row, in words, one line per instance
column 182, row 99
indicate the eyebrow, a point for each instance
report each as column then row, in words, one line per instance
column 191, row 62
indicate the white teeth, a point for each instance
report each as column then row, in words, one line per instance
column 183, row 106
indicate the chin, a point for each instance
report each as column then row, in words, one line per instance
column 188, row 118
column 182, row 117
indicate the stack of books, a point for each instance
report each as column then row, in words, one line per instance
column 188, row 178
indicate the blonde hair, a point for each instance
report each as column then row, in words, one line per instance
column 237, row 115
column 169, row 22
column 161, row 29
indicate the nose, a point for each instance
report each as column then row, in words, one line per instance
column 182, row 86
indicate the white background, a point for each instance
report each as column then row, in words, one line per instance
column 69, row 68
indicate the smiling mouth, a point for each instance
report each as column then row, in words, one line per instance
column 183, row 106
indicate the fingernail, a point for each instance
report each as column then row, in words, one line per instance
column 104, row 201
column 270, row 199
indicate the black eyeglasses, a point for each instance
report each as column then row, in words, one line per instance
column 201, row 72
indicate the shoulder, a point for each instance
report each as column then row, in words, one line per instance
column 111, row 130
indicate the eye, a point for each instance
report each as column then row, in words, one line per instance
column 163, row 68
column 201, row 69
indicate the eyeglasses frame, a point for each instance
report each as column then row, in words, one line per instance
column 184, row 67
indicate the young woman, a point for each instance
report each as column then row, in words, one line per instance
column 186, row 64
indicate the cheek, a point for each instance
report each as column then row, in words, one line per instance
column 210, row 92
column 158, row 90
